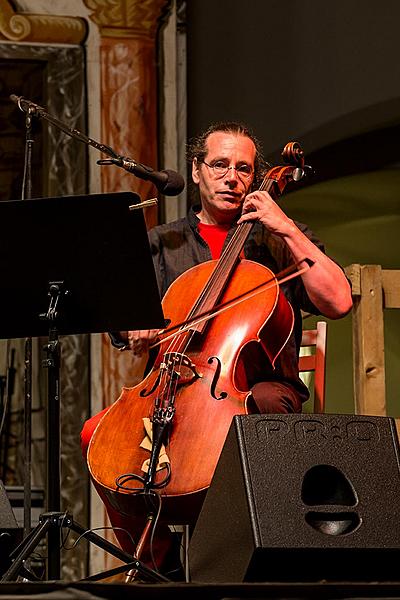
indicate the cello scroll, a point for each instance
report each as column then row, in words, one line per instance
column 276, row 179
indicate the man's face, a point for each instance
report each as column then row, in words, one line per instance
column 222, row 194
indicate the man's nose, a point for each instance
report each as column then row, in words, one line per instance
column 232, row 175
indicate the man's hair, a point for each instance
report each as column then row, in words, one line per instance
column 197, row 146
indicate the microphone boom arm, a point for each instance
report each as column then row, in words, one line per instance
column 167, row 182
column 36, row 110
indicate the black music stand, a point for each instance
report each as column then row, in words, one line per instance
column 71, row 265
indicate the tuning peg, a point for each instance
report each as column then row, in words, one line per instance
column 297, row 174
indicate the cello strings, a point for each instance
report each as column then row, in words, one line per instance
column 211, row 292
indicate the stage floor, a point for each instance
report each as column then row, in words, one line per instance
column 236, row 591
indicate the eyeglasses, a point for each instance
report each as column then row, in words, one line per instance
column 220, row 169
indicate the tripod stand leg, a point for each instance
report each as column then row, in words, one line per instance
column 139, row 567
column 25, row 549
column 100, row 542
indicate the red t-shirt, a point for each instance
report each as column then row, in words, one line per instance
column 215, row 236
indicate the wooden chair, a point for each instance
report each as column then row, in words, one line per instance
column 315, row 339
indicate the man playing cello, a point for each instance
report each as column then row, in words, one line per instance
column 227, row 168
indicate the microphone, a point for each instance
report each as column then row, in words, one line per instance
column 169, row 183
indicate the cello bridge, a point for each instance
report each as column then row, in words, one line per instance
column 180, row 366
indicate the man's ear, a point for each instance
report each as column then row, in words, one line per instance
column 195, row 171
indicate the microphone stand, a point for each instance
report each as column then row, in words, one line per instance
column 26, row 193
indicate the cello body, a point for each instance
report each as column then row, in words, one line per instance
column 211, row 388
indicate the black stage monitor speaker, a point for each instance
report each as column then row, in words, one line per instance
column 302, row 498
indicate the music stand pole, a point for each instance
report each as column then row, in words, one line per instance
column 52, row 363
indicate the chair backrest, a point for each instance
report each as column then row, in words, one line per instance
column 315, row 339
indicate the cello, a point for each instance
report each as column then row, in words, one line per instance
column 198, row 380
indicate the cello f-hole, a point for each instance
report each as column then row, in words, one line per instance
column 215, row 379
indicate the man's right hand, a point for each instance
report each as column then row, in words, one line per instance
column 139, row 340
